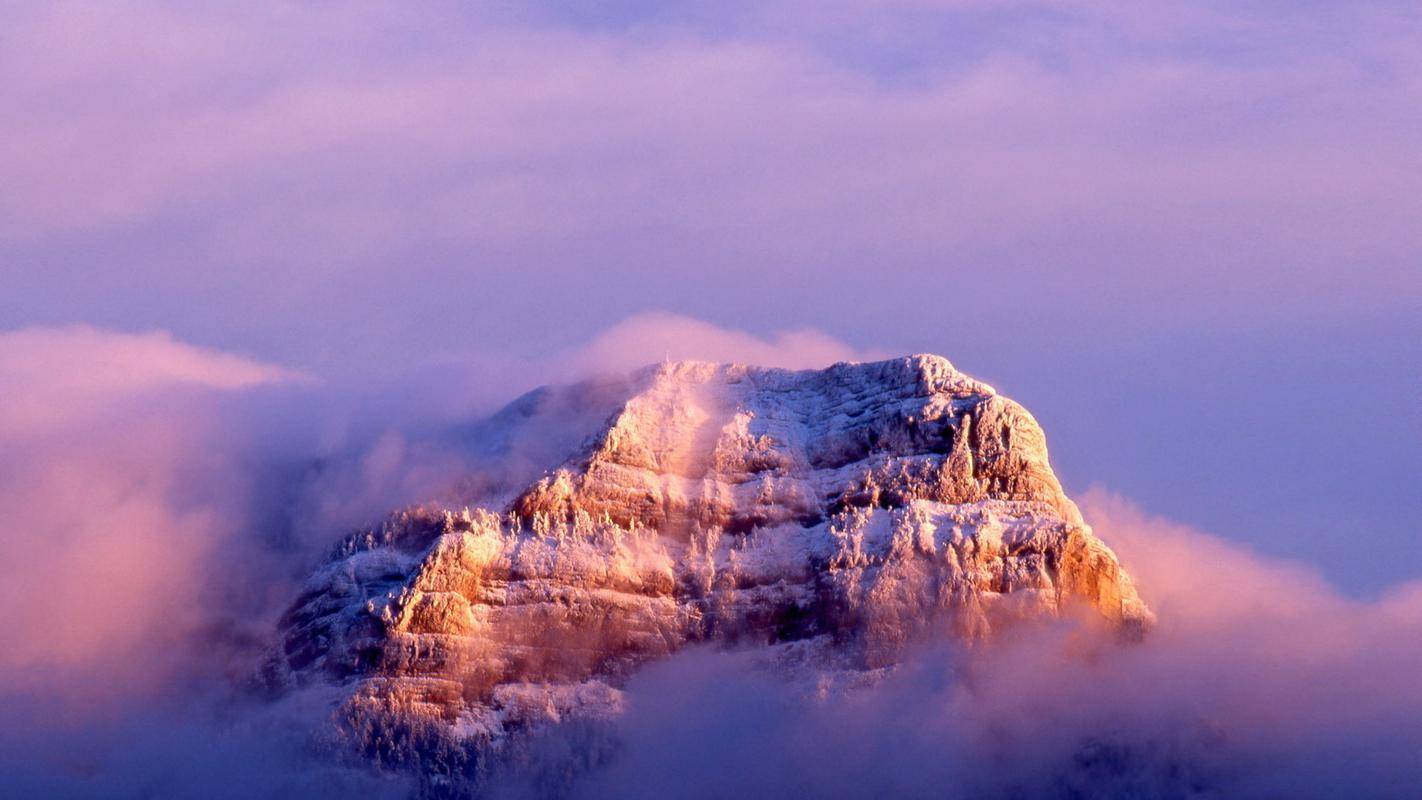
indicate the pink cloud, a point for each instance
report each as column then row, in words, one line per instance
column 58, row 376
column 117, row 488
column 654, row 336
column 504, row 135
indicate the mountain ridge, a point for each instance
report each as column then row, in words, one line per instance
column 829, row 518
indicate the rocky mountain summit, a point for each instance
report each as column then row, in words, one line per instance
column 825, row 518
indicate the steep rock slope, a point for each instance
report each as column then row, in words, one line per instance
column 827, row 517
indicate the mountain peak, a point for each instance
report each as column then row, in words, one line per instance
column 738, row 447
column 837, row 515
column 932, row 371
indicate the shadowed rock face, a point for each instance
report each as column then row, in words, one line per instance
column 829, row 517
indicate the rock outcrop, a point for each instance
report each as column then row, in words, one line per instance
column 829, row 517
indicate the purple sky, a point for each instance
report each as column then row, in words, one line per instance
column 1186, row 236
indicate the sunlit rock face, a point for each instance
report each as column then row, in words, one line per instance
column 827, row 518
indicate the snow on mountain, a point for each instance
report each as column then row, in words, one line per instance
column 826, row 518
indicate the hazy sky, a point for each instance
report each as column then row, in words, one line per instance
column 1188, row 236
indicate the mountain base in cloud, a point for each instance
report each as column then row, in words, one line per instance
column 830, row 521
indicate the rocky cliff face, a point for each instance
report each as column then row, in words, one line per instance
column 828, row 518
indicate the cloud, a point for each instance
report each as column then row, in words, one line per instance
column 651, row 337
column 118, row 485
column 62, row 377
column 148, row 491
column 179, row 749
column 504, row 160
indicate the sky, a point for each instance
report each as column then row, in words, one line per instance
column 1183, row 234
column 236, row 238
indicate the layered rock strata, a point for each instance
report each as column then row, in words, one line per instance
column 831, row 517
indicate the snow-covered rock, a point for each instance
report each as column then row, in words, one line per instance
column 829, row 517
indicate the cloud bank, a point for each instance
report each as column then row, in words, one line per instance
column 119, row 486
column 487, row 164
